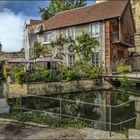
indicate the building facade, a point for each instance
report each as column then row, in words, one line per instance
column 111, row 23
column 136, row 13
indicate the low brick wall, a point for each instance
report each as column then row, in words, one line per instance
column 53, row 87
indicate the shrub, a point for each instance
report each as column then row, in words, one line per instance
column 123, row 69
column 126, row 83
column 19, row 76
column 63, row 74
column 18, row 73
column 32, row 77
column 5, row 73
column 70, row 75
column 93, row 74
column 81, row 75
column 46, row 75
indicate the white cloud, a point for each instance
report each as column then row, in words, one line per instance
column 11, row 30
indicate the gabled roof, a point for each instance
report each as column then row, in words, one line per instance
column 87, row 14
column 35, row 21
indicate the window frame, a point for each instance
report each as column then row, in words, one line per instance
column 134, row 10
column 96, row 65
column 70, row 62
column 91, row 29
column 49, row 41
column 67, row 32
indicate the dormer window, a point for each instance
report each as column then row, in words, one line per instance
column 48, row 37
column 71, row 32
column 95, row 29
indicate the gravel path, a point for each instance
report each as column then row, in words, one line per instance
column 10, row 130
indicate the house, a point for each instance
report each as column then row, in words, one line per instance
column 111, row 23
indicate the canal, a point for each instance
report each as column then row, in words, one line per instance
column 93, row 108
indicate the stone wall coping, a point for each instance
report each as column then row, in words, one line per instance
column 62, row 81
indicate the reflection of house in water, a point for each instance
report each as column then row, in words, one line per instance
column 99, row 108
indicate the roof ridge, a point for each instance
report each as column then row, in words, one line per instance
column 69, row 17
column 74, row 10
column 82, row 7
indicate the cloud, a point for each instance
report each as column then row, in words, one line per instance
column 11, row 30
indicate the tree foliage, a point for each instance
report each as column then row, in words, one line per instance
column 56, row 6
column 38, row 49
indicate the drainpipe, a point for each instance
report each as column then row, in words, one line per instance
column 104, row 45
column 120, row 32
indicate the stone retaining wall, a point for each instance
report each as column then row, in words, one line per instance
column 53, row 87
column 137, row 110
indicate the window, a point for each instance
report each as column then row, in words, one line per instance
column 71, row 32
column 71, row 59
column 95, row 59
column 48, row 37
column 95, row 29
column 133, row 2
column 134, row 10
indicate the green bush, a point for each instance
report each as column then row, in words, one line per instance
column 81, row 75
column 5, row 73
column 71, row 75
column 40, row 75
column 93, row 73
column 46, row 75
column 126, row 83
column 123, row 69
column 19, row 76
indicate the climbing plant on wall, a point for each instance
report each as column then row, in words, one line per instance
column 59, row 45
column 38, row 49
column 84, row 45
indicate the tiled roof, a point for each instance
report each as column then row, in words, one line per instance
column 35, row 22
column 87, row 14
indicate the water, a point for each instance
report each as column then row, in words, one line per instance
column 92, row 106
column 99, row 110
column 74, row 104
column 4, row 108
column 3, row 89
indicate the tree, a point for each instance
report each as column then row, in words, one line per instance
column 84, row 45
column 38, row 49
column 56, row 6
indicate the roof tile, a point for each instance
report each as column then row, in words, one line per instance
column 87, row 14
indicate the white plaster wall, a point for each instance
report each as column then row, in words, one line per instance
column 78, row 30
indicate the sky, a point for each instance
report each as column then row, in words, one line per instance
column 13, row 14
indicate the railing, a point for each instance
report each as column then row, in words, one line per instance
column 126, row 39
column 61, row 113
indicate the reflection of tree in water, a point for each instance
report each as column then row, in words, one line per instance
column 1, row 68
column 80, row 109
